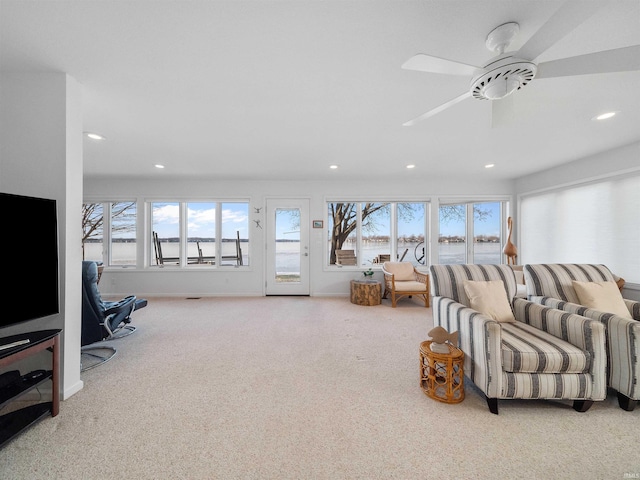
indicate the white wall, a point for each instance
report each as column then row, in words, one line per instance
column 223, row 281
column 602, row 165
column 41, row 155
column 593, row 243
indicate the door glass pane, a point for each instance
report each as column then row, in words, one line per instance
column 92, row 236
column 287, row 247
column 201, row 233
column 411, row 246
column 376, row 233
column 235, row 234
column 451, row 241
column 165, row 221
column 123, row 233
column 486, row 233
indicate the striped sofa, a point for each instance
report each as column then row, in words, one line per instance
column 545, row 354
column 551, row 285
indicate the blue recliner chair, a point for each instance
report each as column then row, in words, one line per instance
column 102, row 321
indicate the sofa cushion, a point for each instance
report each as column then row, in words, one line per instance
column 526, row 349
column 489, row 298
column 402, row 271
column 601, row 296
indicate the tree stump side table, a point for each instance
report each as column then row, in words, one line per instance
column 442, row 374
column 366, row 292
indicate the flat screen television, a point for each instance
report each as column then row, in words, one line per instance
column 29, row 247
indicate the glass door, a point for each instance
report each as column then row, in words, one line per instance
column 287, row 271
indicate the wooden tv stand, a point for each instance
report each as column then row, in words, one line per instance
column 14, row 422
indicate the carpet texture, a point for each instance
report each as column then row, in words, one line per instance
column 303, row 388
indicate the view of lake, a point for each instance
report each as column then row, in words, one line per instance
column 287, row 253
column 124, row 253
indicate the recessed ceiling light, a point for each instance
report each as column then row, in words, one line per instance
column 94, row 136
column 604, row 116
column 411, row 166
column 489, row 165
column 157, row 165
column 333, row 167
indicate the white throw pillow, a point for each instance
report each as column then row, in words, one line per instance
column 489, row 298
column 601, row 296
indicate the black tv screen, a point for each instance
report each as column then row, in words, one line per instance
column 29, row 245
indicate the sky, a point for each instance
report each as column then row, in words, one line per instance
column 201, row 219
column 235, row 216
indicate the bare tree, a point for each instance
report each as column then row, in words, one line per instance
column 458, row 213
column 344, row 216
column 93, row 220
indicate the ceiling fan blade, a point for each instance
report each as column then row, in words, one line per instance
column 429, row 63
column 619, row 60
column 439, row 109
column 571, row 14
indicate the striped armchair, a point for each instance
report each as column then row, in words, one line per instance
column 545, row 354
column 551, row 285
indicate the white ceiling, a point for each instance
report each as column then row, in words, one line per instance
column 283, row 89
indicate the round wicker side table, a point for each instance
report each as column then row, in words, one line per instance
column 442, row 374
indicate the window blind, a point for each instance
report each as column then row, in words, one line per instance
column 598, row 222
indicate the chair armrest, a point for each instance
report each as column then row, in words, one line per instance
column 633, row 307
column 388, row 279
column 576, row 329
column 623, row 347
column 585, row 333
column 480, row 338
column 117, row 307
column 420, row 276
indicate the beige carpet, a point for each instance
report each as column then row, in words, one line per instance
column 303, row 388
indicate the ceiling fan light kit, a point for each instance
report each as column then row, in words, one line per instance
column 503, row 80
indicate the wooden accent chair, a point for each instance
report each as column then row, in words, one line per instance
column 402, row 279
column 515, row 348
column 553, row 285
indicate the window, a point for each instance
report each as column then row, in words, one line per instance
column 165, row 226
column 235, row 234
column 92, row 228
column 378, row 231
column 487, row 233
column 203, row 223
column 470, row 233
column 411, row 221
column 201, row 233
column 123, row 244
column 183, row 234
column 120, row 237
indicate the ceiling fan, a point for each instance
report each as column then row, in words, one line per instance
column 508, row 72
